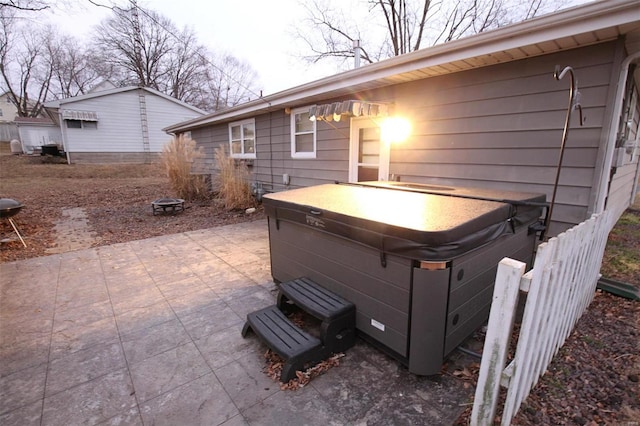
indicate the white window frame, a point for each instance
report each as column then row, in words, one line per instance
column 250, row 155
column 294, row 153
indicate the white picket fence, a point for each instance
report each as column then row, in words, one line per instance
column 560, row 287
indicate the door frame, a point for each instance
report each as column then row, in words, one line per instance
column 354, row 133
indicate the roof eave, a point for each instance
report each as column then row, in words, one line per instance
column 567, row 23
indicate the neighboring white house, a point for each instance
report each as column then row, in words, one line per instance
column 8, row 113
column 8, row 110
column 121, row 125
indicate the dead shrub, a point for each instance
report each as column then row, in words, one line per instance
column 183, row 163
column 232, row 181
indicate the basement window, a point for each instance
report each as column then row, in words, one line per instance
column 82, row 124
column 303, row 134
column 242, row 139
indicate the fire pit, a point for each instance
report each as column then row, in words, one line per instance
column 167, row 205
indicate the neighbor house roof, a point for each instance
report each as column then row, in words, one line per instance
column 568, row 29
column 41, row 121
column 59, row 103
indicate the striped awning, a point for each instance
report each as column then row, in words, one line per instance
column 69, row 114
column 350, row 108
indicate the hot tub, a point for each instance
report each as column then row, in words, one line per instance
column 418, row 263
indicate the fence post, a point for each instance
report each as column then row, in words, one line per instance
column 503, row 307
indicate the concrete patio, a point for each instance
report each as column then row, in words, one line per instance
column 148, row 332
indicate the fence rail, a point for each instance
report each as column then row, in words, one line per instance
column 560, row 287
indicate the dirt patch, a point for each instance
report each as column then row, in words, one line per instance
column 116, row 198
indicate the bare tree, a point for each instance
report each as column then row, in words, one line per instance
column 77, row 70
column 149, row 51
column 136, row 44
column 27, row 61
column 230, row 82
column 405, row 25
column 25, row 5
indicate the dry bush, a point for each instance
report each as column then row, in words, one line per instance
column 182, row 162
column 232, row 181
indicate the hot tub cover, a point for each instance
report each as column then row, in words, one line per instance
column 409, row 223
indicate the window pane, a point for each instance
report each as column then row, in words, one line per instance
column 248, row 131
column 370, row 133
column 304, row 143
column 303, row 124
column 90, row 124
column 369, row 152
column 249, row 146
column 235, row 132
column 235, row 147
column 74, row 124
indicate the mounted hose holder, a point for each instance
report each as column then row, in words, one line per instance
column 574, row 103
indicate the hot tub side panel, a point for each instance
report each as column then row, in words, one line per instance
column 472, row 281
column 354, row 271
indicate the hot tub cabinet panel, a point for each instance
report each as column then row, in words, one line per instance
column 419, row 290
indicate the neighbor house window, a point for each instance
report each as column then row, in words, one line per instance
column 74, row 124
column 303, row 134
column 242, row 139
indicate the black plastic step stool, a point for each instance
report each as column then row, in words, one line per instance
column 295, row 346
column 338, row 315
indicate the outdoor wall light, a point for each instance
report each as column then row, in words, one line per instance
column 395, row 129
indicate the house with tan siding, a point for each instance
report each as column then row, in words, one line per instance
column 485, row 111
column 117, row 125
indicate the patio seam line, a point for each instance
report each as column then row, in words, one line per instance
column 124, row 354
column 194, row 340
column 53, row 318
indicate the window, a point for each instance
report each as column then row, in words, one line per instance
column 81, row 124
column 303, row 134
column 242, row 139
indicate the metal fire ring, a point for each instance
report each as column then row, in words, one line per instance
column 167, row 205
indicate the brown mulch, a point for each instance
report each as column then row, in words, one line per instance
column 593, row 380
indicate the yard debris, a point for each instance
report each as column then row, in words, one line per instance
column 275, row 363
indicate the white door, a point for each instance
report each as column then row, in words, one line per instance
column 368, row 155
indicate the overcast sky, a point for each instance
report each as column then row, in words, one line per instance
column 256, row 31
column 260, row 32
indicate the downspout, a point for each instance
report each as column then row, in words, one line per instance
column 63, row 132
column 603, row 187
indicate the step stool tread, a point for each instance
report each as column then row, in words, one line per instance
column 280, row 334
column 317, row 300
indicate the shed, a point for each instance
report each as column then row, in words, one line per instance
column 121, row 125
column 485, row 112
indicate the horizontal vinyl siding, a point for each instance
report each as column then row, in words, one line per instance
column 161, row 113
column 501, row 127
column 119, row 124
column 621, row 187
column 119, row 128
column 498, row 127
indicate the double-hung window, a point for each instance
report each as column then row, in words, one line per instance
column 303, row 134
column 242, row 139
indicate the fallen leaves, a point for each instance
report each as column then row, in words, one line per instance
column 275, row 364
